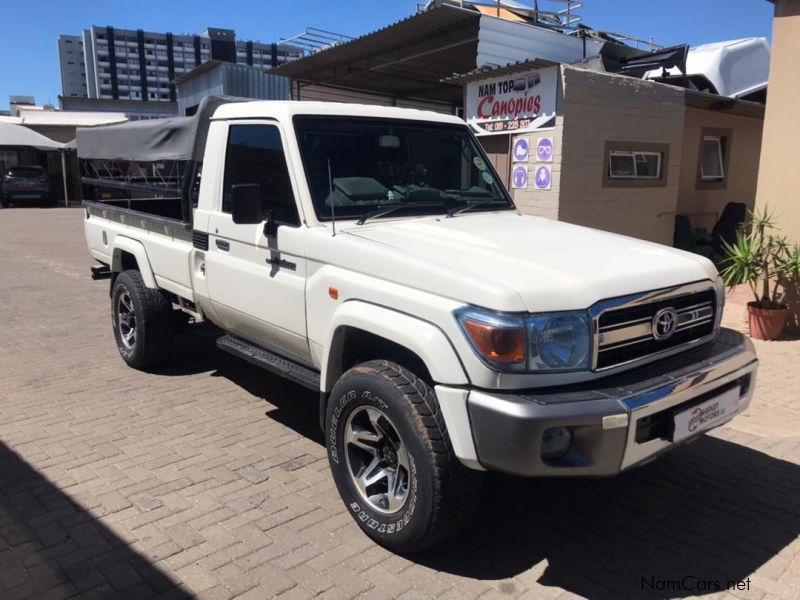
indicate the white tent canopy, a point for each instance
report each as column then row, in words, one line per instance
column 17, row 135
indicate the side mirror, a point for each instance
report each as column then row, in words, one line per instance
column 246, row 201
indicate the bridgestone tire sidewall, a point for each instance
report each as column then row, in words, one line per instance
column 411, row 523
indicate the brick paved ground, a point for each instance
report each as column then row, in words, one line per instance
column 209, row 479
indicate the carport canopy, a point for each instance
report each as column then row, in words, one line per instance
column 17, row 135
column 407, row 59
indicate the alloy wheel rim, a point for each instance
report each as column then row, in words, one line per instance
column 126, row 320
column 377, row 460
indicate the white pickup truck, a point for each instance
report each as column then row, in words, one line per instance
column 371, row 254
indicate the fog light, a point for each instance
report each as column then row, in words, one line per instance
column 556, row 442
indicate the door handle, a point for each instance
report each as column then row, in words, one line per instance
column 223, row 245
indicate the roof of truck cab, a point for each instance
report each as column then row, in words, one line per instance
column 282, row 109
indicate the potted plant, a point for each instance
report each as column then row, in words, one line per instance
column 769, row 265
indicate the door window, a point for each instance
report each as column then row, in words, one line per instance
column 255, row 155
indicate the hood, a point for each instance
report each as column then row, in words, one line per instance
column 512, row 262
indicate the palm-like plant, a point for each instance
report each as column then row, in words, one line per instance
column 763, row 260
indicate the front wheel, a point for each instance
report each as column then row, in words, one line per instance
column 392, row 461
column 143, row 319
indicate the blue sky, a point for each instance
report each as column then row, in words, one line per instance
column 29, row 28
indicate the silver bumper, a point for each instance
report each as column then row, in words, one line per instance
column 617, row 423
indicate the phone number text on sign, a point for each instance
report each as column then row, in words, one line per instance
column 512, row 103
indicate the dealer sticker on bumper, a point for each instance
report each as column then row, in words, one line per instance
column 706, row 415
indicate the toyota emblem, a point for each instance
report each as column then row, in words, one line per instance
column 664, row 323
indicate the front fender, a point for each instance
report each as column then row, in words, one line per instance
column 125, row 244
column 424, row 339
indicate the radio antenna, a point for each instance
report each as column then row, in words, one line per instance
column 332, row 197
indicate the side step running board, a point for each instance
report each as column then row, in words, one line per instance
column 270, row 361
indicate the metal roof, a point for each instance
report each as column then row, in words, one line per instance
column 209, row 65
column 407, row 58
column 520, row 66
column 733, row 106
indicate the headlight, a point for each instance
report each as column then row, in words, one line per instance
column 497, row 337
column 560, row 341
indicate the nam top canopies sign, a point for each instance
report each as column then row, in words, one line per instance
column 512, row 103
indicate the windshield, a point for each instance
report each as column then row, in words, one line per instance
column 359, row 167
column 25, row 172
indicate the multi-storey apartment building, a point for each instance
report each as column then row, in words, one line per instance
column 126, row 64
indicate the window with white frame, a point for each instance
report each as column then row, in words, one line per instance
column 624, row 164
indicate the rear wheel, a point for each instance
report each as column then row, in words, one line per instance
column 392, row 461
column 143, row 319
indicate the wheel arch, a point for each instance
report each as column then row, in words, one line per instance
column 128, row 254
column 362, row 331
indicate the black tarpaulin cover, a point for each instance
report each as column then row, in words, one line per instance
column 176, row 138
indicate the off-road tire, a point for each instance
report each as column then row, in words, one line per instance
column 155, row 323
column 442, row 493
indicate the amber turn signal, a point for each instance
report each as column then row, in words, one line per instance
column 333, row 292
column 498, row 344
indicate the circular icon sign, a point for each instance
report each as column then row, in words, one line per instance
column 479, row 164
column 542, row 178
column 544, row 150
column 521, row 149
column 519, row 178
column 487, row 177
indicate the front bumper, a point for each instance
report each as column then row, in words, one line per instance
column 617, row 423
column 24, row 193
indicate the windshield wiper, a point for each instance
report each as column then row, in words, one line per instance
column 380, row 212
column 458, row 210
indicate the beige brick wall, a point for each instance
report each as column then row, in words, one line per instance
column 742, row 168
column 543, row 203
column 600, row 107
column 531, row 201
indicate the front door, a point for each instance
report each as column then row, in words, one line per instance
column 497, row 147
column 256, row 279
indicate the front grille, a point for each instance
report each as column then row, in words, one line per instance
column 626, row 334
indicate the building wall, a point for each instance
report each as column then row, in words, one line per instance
column 141, row 65
column 600, row 108
column 89, row 64
column 595, row 110
column 73, row 68
column 59, row 133
column 230, row 80
column 533, row 201
column 327, row 93
column 779, row 172
column 191, row 91
column 702, row 202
